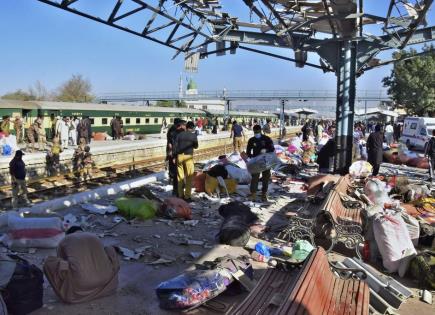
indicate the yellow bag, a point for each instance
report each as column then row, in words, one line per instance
column 211, row 184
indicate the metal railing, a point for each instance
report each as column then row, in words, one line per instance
column 362, row 95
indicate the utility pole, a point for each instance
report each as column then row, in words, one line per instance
column 282, row 120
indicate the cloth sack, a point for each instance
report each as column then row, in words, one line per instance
column 33, row 232
column 263, row 162
column 136, row 208
column 242, row 176
column 212, row 185
column 413, row 227
column 393, row 240
column 236, row 159
column 174, row 207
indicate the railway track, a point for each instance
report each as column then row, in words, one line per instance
column 64, row 184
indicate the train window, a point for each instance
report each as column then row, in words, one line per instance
column 156, row 120
column 92, row 121
column 147, row 120
column 171, row 120
column 104, row 121
column 127, row 120
column 137, row 120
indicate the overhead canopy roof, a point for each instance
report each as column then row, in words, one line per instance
column 376, row 111
column 301, row 111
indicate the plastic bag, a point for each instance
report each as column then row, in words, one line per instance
column 6, row 150
column 33, row 232
column 242, row 176
column 192, row 288
column 262, row 249
column 377, row 191
column 263, row 162
column 136, row 208
column 174, row 207
column 360, row 169
column 301, row 250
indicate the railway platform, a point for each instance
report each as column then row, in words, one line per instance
column 122, row 153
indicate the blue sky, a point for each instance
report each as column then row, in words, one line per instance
column 47, row 44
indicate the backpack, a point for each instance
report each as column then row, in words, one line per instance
column 24, row 292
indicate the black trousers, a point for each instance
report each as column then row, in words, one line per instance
column 376, row 168
column 265, row 177
column 172, row 168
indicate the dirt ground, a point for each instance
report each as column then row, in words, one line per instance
column 138, row 279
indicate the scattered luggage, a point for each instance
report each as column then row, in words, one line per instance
column 175, row 208
column 136, row 208
column 24, row 292
column 33, row 232
column 235, row 229
column 195, row 287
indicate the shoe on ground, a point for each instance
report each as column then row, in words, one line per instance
column 252, row 197
column 264, row 198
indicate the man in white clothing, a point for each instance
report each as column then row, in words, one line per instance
column 389, row 132
column 64, row 132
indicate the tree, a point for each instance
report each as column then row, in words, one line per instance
column 76, row 89
column 39, row 91
column 171, row 104
column 19, row 95
column 411, row 83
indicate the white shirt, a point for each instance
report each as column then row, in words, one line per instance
column 389, row 128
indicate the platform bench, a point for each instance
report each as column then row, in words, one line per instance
column 318, row 287
column 347, row 222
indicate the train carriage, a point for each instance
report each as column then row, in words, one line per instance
column 136, row 118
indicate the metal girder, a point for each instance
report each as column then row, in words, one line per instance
column 179, row 25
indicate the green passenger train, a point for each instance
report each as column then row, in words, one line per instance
column 136, row 118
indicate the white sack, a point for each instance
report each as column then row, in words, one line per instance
column 393, row 240
column 235, row 158
column 242, row 176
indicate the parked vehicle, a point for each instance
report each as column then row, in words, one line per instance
column 417, row 131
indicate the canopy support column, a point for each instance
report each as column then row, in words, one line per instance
column 346, row 86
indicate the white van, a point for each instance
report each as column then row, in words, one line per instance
column 417, row 131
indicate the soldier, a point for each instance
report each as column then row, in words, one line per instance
column 42, row 140
column 17, row 169
column 31, row 132
column 53, row 157
column 78, row 157
column 87, row 163
column 18, row 127
column 5, row 125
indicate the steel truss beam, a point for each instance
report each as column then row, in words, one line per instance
column 189, row 26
